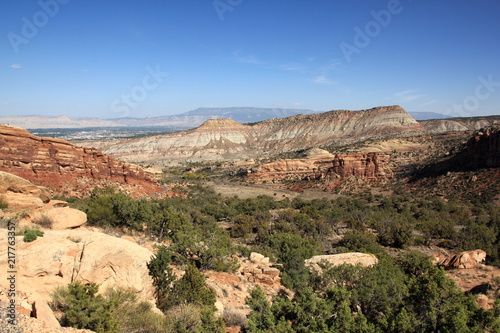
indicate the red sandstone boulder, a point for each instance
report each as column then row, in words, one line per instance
column 467, row 259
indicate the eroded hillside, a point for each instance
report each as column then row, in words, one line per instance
column 219, row 139
column 58, row 163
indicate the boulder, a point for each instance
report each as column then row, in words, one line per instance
column 42, row 311
column 352, row 258
column 21, row 201
column 466, row 259
column 63, row 217
column 15, row 184
column 258, row 258
column 64, row 256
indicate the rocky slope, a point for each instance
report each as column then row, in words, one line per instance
column 482, row 150
column 458, row 124
column 54, row 162
column 219, row 139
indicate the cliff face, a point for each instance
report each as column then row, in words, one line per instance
column 226, row 139
column 330, row 169
column 481, row 151
column 365, row 166
column 49, row 161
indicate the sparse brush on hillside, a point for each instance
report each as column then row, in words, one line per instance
column 191, row 224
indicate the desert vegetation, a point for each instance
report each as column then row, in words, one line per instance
column 400, row 294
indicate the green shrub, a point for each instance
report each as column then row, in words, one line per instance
column 84, row 309
column 31, row 234
column 162, row 276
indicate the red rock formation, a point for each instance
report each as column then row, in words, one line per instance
column 463, row 260
column 330, row 169
column 365, row 166
column 50, row 162
column 484, row 148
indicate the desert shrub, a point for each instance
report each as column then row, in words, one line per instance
column 84, row 309
column 43, row 221
column 31, row 234
column 184, row 318
column 3, row 203
column 407, row 294
column 234, row 317
column 134, row 315
column 162, row 276
column 243, row 225
column 393, row 229
column 359, row 241
column 191, row 288
column 291, row 250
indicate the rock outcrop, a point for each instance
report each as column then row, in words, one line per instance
column 435, row 126
column 51, row 162
column 20, row 193
column 61, row 257
column 219, row 139
column 232, row 289
column 365, row 166
column 323, row 166
column 481, row 151
column 351, row 258
column 61, row 218
column 463, row 260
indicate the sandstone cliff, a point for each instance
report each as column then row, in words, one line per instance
column 321, row 165
column 52, row 162
column 219, row 139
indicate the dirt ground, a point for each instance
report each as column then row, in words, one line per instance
column 245, row 191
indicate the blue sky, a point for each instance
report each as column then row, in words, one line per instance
column 109, row 59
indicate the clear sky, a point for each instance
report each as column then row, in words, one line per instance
column 108, row 59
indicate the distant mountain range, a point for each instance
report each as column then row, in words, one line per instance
column 185, row 120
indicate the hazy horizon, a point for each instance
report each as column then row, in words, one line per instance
column 135, row 59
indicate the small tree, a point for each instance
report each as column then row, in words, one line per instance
column 162, row 276
column 86, row 310
column 191, row 288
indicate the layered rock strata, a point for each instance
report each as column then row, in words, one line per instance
column 219, row 139
column 49, row 161
column 325, row 167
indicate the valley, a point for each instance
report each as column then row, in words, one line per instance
column 245, row 214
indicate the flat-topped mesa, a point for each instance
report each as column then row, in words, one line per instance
column 50, row 161
column 219, row 139
column 220, row 122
